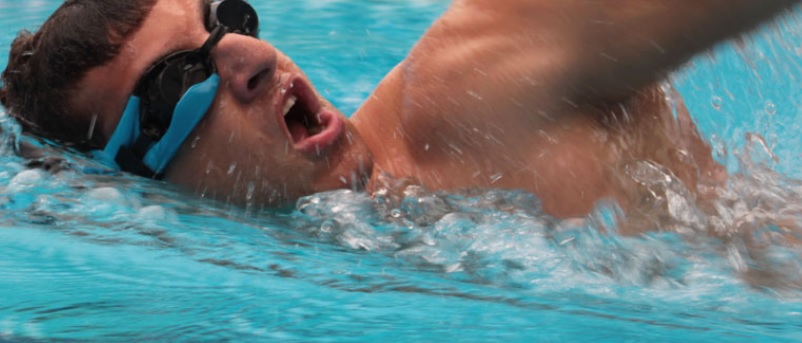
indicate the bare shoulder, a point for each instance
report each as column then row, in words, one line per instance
column 491, row 35
column 493, row 69
column 484, row 58
column 477, row 85
column 520, row 94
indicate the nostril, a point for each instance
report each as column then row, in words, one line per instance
column 256, row 79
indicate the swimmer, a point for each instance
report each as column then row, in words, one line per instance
column 561, row 98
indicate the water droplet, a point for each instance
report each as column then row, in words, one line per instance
column 251, row 189
column 475, row 95
column 396, row 213
column 736, row 259
column 716, row 102
column 771, row 108
column 232, row 168
column 195, row 142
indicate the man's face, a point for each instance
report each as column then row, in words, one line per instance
column 245, row 150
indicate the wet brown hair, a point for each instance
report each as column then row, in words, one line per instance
column 44, row 67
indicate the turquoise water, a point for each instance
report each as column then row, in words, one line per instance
column 100, row 258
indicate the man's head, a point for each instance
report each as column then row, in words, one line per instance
column 43, row 68
column 267, row 138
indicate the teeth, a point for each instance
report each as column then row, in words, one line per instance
column 290, row 103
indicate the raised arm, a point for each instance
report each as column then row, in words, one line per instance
column 581, row 50
column 620, row 45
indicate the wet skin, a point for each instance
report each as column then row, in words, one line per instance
column 498, row 94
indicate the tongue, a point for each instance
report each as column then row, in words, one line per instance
column 298, row 131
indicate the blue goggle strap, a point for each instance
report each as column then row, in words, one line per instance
column 125, row 135
column 188, row 113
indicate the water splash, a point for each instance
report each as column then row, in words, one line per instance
column 495, row 247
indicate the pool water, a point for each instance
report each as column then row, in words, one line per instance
column 118, row 258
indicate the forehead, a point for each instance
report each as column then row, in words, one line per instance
column 171, row 25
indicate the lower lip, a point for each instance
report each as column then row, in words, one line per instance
column 332, row 130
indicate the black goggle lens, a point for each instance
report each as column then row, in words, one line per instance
column 236, row 15
column 164, row 86
column 165, row 82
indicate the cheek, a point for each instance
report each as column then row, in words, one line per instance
column 220, row 148
column 230, row 156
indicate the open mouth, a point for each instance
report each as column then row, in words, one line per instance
column 308, row 125
column 300, row 119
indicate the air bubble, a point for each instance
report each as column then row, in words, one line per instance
column 716, row 101
column 771, row 108
column 328, row 226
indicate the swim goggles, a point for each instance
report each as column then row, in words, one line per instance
column 173, row 96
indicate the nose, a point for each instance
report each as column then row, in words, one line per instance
column 246, row 65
